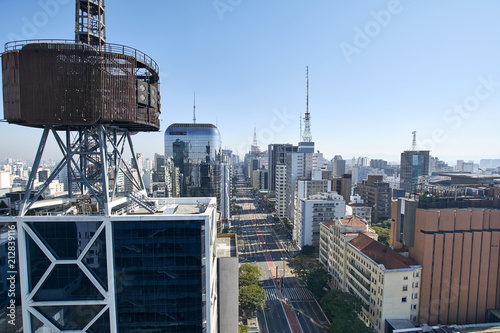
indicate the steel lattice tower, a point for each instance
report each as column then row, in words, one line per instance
column 307, row 137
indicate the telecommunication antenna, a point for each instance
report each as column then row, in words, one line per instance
column 194, row 108
column 307, row 137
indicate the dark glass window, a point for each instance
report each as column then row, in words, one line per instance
column 65, row 240
column 158, row 275
column 67, row 282
column 70, row 317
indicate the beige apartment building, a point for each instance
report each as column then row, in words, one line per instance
column 386, row 283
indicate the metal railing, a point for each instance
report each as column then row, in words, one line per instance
column 107, row 47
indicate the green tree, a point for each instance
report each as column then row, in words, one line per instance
column 252, row 298
column 248, row 275
column 307, row 250
column 349, row 326
column 318, row 282
column 243, row 328
column 237, row 209
column 342, row 310
column 384, row 235
column 384, row 224
column 303, row 265
column 340, row 305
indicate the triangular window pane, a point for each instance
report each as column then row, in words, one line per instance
column 70, row 317
column 36, row 325
column 67, row 282
column 95, row 260
column 37, row 261
column 66, row 240
column 101, row 325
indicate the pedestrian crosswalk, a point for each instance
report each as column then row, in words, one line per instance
column 293, row 294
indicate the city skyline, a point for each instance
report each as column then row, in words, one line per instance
column 377, row 72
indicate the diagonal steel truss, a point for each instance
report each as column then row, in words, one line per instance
column 93, row 157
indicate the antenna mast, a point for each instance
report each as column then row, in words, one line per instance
column 90, row 23
column 307, row 137
column 255, row 146
column 194, row 108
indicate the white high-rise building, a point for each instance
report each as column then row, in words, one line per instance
column 5, row 180
column 225, row 197
column 298, row 165
column 311, row 212
column 280, row 190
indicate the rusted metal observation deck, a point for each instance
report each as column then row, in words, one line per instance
column 68, row 85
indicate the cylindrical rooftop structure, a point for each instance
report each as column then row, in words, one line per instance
column 67, row 84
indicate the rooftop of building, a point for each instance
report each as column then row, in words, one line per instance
column 404, row 325
column 467, row 175
column 456, row 200
column 124, row 205
column 328, row 196
column 380, row 253
column 328, row 224
column 192, row 125
column 226, row 246
column 353, row 220
column 357, row 204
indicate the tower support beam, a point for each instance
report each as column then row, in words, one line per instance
column 93, row 157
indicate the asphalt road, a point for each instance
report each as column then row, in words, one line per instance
column 290, row 307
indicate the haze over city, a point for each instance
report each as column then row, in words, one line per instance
column 378, row 70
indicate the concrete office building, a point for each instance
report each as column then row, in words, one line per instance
column 378, row 164
column 259, row 180
column 414, row 163
column 343, row 186
column 225, row 196
column 386, row 283
column 359, row 209
column 298, row 165
column 280, row 190
column 338, row 166
column 313, row 210
column 193, row 155
column 376, row 194
column 456, row 240
column 125, row 272
column 305, row 188
column 277, row 155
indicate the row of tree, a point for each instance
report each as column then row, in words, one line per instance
column 341, row 308
column 251, row 294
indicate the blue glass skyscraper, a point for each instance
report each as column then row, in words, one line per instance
column 192, row 160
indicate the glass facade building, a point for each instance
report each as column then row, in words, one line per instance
column 192, row 160
column 414, row 163
column 125, row 273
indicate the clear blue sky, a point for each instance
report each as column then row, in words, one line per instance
column 378, row 70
